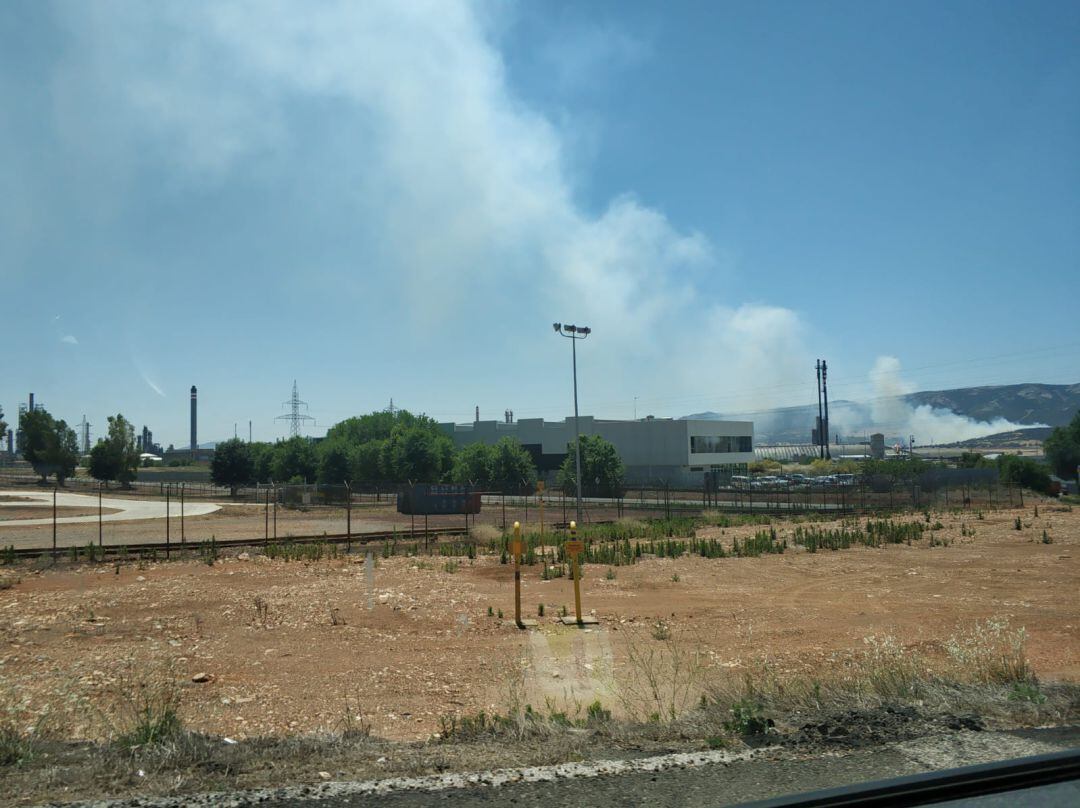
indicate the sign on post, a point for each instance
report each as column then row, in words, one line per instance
column 574, row 548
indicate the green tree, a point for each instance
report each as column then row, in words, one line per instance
column 116, row 457
column 233, row 464
column 3, row 426
column 335, row 467
column 262, row 460
column 1063, row 450
column 417, row 453
column 49, row 445
column 295, row 459
column 365, row 462
column 1024, row 471
column 473, row 465
column 602, row 469
column 973, row 460
column 512, row 466
column 373, row 426
column 103, row 464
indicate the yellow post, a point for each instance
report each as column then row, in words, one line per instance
column 515, row 548
column 574, row 547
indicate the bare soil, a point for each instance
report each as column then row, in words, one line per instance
column 264, row 630
column 16, row 512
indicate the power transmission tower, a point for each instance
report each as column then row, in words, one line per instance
column 294, row 416
column 84, row 435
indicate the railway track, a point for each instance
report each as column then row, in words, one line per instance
column 361, row 539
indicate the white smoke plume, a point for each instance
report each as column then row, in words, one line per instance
column 891, row 414
column 450, row 203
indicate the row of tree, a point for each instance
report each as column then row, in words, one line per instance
column 388, row 447
column 397, row 447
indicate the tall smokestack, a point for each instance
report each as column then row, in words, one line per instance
column 31, row 402
column 194, row 409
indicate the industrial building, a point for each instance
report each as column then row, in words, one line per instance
column 655, row 451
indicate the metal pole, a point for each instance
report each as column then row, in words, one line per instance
column 516, row 549
column 577, row 431
column 168, row 490
column 99, row 517
column 266, row 529
column 183, row 537
column 348, row 518
column 821, row 423
column 275, row 513
column 54, row 524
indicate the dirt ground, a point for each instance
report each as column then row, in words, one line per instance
column 264, row 630
column 12, row 512
column 240, row 521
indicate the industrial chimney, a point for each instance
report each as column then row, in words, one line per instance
column 194, row 431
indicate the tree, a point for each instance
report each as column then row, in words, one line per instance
column 1024, row 471
column 472, row 465
column 122, row 442
column 49, row 445
column 417, row 453
column 602, row 469
column 262, row 460
column 102, row 463
column 294, row 459
column 511, row 466
column 233, row 465
column 373, row 426
column 3, row 426
column 335, row 467
column 1063, row 450
column 365, row 461
column 115, row 457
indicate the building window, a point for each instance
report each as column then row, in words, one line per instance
column 720, row 444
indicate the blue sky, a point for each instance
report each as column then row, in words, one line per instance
column 398, row 199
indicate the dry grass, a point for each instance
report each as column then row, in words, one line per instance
column 670, row 696
column 483, row 534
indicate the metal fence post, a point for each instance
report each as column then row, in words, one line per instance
column 348, row 517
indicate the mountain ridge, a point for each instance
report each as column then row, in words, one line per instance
column 1029, row 404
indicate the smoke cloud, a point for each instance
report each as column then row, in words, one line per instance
column 416, row 185
column 894, row 416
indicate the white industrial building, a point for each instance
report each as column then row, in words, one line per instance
column 655, row 451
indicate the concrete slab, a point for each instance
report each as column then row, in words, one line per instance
column 586, row 620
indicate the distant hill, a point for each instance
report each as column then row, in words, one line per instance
column 1052, row 404
column 1006, row 439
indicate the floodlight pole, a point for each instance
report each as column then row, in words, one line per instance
column 575, row 333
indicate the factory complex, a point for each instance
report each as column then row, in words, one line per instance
column 654, row 450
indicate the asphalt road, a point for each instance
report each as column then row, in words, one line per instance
column 739, row 778
column 733, row 783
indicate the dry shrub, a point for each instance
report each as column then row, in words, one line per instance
column 990, row 652
column 485, row 534
column 662, row 676
column 141, row 706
